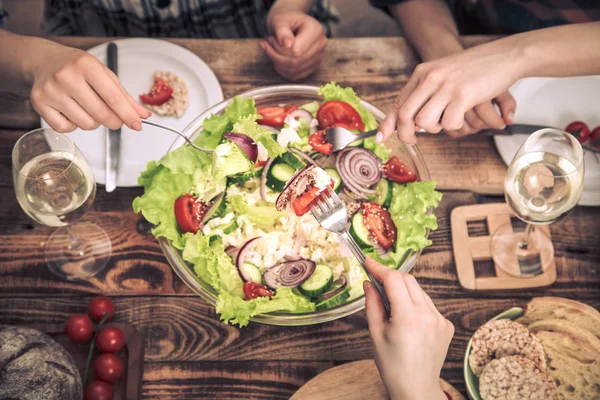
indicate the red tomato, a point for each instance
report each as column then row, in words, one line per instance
column 580, row 130
column 110, row 340
column 98, row 390
column 302, row 204
column 594, row 142
column 159, row 94
column 379, row 222
column 108, row 367
column 395, row 170
column 189, row 212
column 317, row 142
column 79, row 328
column 253, row 290
column 99, row 306
column 339, row 113
column 274, row 116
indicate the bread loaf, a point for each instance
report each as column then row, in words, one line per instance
column 564, row 326
column 34, row 367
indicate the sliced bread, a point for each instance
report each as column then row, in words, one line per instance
column 543, row 308
column 570, row 328
column 573, row 364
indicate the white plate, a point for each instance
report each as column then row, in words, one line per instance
column 556, row 102
column 137, row 61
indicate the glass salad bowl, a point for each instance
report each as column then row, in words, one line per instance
column 295, row 95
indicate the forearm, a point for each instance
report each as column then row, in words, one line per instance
column 429, row 27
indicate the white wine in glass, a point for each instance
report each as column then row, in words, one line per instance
column 55, row 186
column 543, row 183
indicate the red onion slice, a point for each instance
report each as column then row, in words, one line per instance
column 359, row 169
column 263, row 179
column 232, row 252
column 342, row 282
column 241, row 255
column 304, row 156
column 245, row 143
column 289, row 274
column 212, row 208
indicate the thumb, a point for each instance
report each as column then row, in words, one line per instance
column 507, row 105
column 375, row 311
column 283, row 33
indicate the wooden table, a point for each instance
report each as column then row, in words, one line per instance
column 189, row 353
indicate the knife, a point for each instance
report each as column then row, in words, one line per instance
column 113, row 137
column 515, row 129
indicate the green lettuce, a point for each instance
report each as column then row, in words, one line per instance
column 236, row 310
column 248, row 126
column 215, row 126
column 332, row 91
column 265, row 217
column 380, row 149
column 311, row 107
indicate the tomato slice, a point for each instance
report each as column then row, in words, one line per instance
column 159, row 94
column 594, row 142
column 189, row 212
column 339, row 113
column 274, row 116
column 397, row 171
column 317, row 142
column 379, row 222
column 253, row 290
column 580, row 130
column 302, row 204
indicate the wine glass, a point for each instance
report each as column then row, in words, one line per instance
column 543, row 183
column 55, row 186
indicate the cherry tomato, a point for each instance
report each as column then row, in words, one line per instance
column 317, row 142
column 274, row 116
column 594, row 142
column 189, row 212
column 580, row 130
column 253, row 290
column 108, row 367
column 397, row 171
column 302, row 204
column 79, row 328
column 339, row 113
column 379, row 222
column 159, row 94
column 99, row 306
column 110, row 340
column 98, row 390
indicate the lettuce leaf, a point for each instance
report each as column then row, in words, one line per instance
column 265, row 217
column 236, row 310
column 248, row 126
column 311, row 107
column 332, row 91
column 380, row 149
column 215, row 126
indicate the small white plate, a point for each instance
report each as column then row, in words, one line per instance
column 138, row 59
column 556, row 102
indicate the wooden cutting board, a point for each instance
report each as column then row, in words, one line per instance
column 358, row 380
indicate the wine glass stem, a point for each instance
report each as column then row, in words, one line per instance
column 76, row 245
column 524, row 244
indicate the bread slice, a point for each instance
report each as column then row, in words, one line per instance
column 564, row 326
column 541, row 308
column 573, row 364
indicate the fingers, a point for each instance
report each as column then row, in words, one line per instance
column 89, row 100
column 142, row 112
column 489, row 115
column 508, row 105
column 283, row 33
column 414, row 290
column 308, row 34
column 405, row 124
column 454, row 116
column 474, row 121
column 55, row 119
column 393, row 284
column 76, row 114
column 294, row 68
column 430, row 115
column 376, row 316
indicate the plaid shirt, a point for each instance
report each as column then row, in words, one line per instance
column 166, row 18
column 514, row 16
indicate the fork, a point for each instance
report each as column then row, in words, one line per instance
column 341, row 137
column 168, row 128
column 331, row 214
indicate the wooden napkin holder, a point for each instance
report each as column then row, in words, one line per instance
column 468, row 250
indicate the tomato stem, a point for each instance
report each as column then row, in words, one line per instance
column 91, row 351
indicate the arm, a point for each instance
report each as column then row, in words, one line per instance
column 16, row 63
column 443, row 89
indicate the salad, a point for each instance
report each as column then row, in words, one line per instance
column 220, row 209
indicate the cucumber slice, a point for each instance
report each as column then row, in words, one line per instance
column 359, row 231
column 219, row 210
column 293, row 161
column 252, row 271
column 337, row 180
column 357, row 143
column 383, row 193
column 279, row 174
column 319, row 282
column 336, row 300
column 230, row 227
column 244, row 177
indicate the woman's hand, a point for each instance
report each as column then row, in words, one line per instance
column 455, row 93
column 296, row 45
column 411, row 346
column 71, row 89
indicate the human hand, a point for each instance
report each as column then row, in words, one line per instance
column 411, row 346
column 71, row 89
column 296, row 45
column 455, row 93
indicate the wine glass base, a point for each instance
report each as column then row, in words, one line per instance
column 83, row 261
column 521, row 262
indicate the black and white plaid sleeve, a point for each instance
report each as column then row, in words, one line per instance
column 3, row 15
